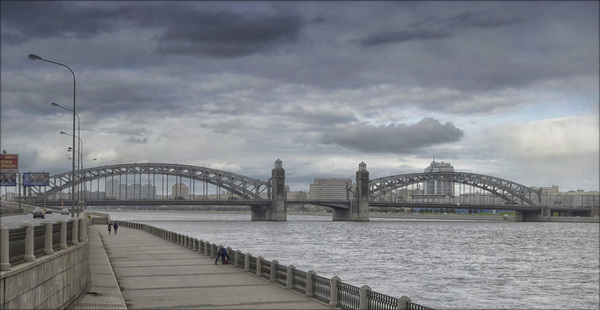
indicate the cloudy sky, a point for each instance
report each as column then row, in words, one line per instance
column 508, row 89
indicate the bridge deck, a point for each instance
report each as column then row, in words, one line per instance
column 156, row 274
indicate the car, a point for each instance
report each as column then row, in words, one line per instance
column 38, row 213
column 64, row 211
column 48, row 211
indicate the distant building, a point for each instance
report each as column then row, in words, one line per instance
column 329, row 189
column 112, row 188
column 439, row 187
column 180, row 190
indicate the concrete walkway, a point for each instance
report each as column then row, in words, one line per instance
column 151, row 273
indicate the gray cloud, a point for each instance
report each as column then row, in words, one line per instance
column 226, row 34
column 185, row 30
column 434, row 27
column 50, row 19
column 403, row 36
column 394, row 138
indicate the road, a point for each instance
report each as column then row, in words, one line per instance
column 14, row 221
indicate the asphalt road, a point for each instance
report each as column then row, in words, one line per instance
column 14, row 221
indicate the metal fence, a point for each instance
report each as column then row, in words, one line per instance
column 330, row 291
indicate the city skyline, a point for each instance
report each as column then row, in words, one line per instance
column 508, row 89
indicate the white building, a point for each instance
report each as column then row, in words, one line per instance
column 439, row 187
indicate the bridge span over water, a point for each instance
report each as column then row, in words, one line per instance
column 268, row 199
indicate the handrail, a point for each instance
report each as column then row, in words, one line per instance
column 29, row 242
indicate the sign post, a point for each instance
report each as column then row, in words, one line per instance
column 9, row 171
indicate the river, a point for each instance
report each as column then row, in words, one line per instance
column 437, row 263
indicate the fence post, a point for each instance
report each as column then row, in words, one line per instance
column 259, row 261
column 333, row 294
column 29, row 257
column 195, row 246
column 229, row 252
column 48, row 238
column 364, row 297
column 247, row 262
column 290, row 277
column 236, row 258
column 403, row 303
column 83, row 229
column 207, row 248
column 4, row 255
column 74, row 231
column 273, row 271
column 63, row 233
column 309, row 283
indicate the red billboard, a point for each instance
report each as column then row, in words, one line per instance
column 9, row 162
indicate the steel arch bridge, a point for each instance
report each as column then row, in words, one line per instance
column 245, row 187
column 505, row 189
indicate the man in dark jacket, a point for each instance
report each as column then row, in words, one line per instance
column 223, row 255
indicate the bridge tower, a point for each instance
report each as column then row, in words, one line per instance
column 277, row 211
column 359, row 202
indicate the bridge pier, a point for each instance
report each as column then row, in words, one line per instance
column 533, row 216
column 277, row 211
column 359, row 204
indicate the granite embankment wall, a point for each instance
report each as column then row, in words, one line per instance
column 42, row 272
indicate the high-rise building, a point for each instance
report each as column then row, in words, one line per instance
column 439, row 187
column 148, row 191
column 180, row 190
column 112, row 188
column 329, row 189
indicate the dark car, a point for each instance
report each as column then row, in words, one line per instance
column 38, row 213
column 48, row 211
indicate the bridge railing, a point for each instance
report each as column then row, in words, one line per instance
column 332, row 291
column 30, row 242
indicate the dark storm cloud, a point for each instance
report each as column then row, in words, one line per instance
column 227, row 34
column 403, row 36
column 434, row 27
column 394, row 138
column 23, row 21
column 183, row 29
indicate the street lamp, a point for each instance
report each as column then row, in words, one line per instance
column 79, row 166
column 36, row 57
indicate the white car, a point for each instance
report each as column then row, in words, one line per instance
column 64, row 211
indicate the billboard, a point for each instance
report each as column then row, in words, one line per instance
column 8, row 179
column 36, row 179
column 9, row 163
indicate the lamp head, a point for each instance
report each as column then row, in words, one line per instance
column 63, row 133
column 54, row 104
column 34, row 57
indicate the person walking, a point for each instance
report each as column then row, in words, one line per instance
column 115, row 226
column 109, row 227
column 223, row 255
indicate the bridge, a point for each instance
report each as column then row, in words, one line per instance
column 268, row 199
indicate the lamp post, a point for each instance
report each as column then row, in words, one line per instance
column 36, row 57
column 79, row 146
column 79, row 166
column 85, row 197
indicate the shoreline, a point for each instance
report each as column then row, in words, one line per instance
column 447, row 217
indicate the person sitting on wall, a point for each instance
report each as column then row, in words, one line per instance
column 223, row 255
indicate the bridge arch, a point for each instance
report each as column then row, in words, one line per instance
column 243, row 186
column 505, row 189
